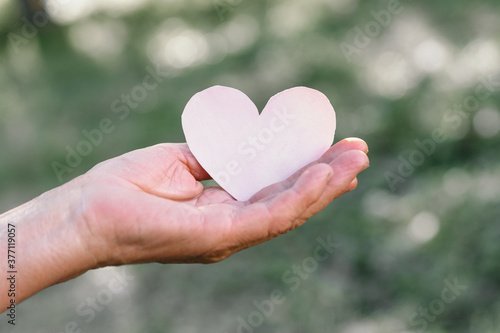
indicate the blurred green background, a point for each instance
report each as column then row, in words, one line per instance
column 424, row 218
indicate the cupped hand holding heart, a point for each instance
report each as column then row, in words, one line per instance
column 148, row 205
column 276, row 169
column 244, row 151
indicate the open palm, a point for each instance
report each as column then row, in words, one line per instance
column 149, row 205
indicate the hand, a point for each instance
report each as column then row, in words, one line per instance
column 148, row 205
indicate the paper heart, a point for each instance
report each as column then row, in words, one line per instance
column 244, row 151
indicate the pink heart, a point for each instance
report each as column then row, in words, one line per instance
column 244, row 151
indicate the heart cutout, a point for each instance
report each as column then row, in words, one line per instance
column 244, row 151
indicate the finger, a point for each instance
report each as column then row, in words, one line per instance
column 153, row 161
column 263, row 220
column 343, row 146
column 166, row 170
column 180, row 176
column 346, row 167
column 336, row 150
column 353, row 184
column 192, row 163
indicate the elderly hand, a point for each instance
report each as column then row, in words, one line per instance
column 149, row 206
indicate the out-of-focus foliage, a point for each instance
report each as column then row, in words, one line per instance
column 425, row 215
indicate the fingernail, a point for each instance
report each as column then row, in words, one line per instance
column 367, row 161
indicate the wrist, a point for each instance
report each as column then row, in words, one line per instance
column 68, row 241
column 50, row 247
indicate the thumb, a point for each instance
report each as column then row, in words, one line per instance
column 181, row 185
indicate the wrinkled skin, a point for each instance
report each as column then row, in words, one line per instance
column 149, row 206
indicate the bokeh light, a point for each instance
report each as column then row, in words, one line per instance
column 423, row 227
column 487, row 122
